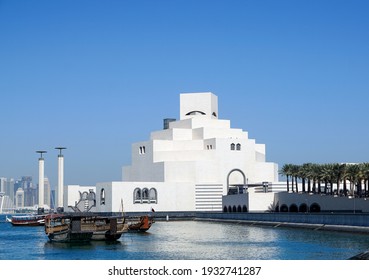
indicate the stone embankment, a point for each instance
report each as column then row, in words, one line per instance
column 347, row 222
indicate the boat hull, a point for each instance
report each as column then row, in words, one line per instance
column 140, row 224
column 84, row 228
column 67, row 237
column 100, row 236
column 28, row 220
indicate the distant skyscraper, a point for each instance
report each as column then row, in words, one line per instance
column 17, row 185
column 19, row 198
column 47, row 192
column 10, row 188
column 3, row 184
column 30, row 191
column 7, row 189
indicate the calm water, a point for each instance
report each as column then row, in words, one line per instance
column 187, row 240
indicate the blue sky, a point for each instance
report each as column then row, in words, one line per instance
column 96, row 76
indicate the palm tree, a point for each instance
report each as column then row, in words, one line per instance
column 294, row 174
column 345, row 176
column 286, row 171
column 325, row 175
column 316, row 171
column 303, row 175
column 362, row 176
column 332, row 174
column 307, row 167
column 353, row 176
column 339, row 171
column 365, row 171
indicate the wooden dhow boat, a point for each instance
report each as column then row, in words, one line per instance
column 26, row 220
column 84, row 227
column 140, row 224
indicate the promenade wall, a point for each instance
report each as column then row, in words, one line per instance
column 351, row 222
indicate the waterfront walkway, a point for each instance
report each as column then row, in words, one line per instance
column 347, row 222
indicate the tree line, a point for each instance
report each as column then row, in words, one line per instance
column 344, row 179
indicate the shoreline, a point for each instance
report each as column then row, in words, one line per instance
column 341, row 222
column 314, row 227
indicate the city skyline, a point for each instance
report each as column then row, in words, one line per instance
column 23, row 192
column 95, row 77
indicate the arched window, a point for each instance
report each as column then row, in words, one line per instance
column 92, row 195
column 225, row 210
column 137, row 195
column 244, row 208
column 283, row 208
column 303, row 208
column 229, row 209
column 234, row 209
column 84, row 196
column 145, row 195
column 235, row 179
column 102, row 197
column 194, row 113
column 153, row 196
column 277, row 208
column 239, row 209
column 315, row 207
column 238, row 147
column 293, row 208
column 233, row 146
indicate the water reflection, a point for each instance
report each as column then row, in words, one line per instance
column 188, row 240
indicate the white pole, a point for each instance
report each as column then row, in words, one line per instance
column 60, row 180
column 41, row 176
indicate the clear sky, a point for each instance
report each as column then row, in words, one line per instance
column 97, row 76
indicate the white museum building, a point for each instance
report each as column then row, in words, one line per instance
column 189, row 165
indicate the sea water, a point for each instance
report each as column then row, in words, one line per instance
column 187, row 240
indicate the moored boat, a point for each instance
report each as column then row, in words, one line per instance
column 140, row 224
column 84, row 227
column 26, row 220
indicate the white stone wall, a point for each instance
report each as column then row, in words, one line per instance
column 260, row 202
column 72, row 195
column 235, row 200
column 170, row 197
column 199, row 102
column 208, row 197
column 326, row 202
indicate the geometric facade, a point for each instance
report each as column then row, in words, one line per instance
column 189, row 165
